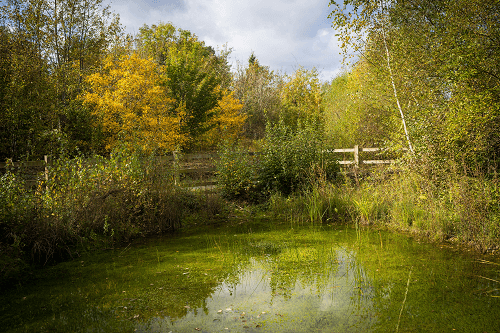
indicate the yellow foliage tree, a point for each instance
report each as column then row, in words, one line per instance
column 301, row 96
column 227, row 121
column 132, row 107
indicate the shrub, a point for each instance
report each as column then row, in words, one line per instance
column 92, row 203
column 16, row 205
column 17, row 209
column 290, row 158
column 235, row 171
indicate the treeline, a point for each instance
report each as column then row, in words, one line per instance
column 72, row 82
column 73, row 85
column 427, row 78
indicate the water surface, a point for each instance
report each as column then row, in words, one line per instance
column 309, row 279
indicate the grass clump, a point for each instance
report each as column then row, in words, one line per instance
column 459, row 208
column 322, row 203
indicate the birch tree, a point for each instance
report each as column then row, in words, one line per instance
column 359, row 20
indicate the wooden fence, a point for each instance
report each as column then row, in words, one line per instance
column 358, row 158
column 191, row 170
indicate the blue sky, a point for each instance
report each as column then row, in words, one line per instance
column 283, row 34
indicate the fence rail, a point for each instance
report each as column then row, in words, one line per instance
column 189, row 165
column 357, row 156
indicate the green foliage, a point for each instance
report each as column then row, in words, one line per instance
column 461, row 209
column 291, row 159
column 47, row 48
column 24, row 125
column 17, row 211
column 192, row 73
column 16, row 206
column 301, row 97
column 236, row 171
column 259, row 90
column 355, row 111
column 444, row 68
column 93, row 203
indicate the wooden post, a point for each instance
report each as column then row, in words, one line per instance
column 356, row 156
column 176, row 168
column 48, row 161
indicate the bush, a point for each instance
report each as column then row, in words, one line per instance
column 293, row 159
column 235, row 171
column 92, row 203
column 17, row 209
column 16, row 205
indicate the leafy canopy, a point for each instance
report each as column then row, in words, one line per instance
column 132, row 105
column 192, row 73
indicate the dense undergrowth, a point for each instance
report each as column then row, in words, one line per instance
column 97, row 203
column 89, row 204
column 446, row 203
column 464, row 211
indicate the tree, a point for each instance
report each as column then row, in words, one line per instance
column 25, row 125
column 227, row 123
column 258, row 88
column 301, row 97
column 458, row 43
column 442, row 56
column 67, row 40
column 358, row 109
column 371, row 18
column 132, row 106
column 193, row 75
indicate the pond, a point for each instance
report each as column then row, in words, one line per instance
column 285, row 279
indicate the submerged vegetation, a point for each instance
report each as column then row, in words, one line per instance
column 262, row 276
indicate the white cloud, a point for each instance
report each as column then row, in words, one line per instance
column 283, row 34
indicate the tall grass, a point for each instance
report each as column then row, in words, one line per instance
column 460, row 208
column 322, row 203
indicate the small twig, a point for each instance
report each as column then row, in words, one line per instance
column 482, row 261
column 402, row 306
column 124, row 249
column 487, row 278
column 493, row 290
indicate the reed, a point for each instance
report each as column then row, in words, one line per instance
column 404, row 300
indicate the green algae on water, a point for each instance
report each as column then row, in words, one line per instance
column 330, row 279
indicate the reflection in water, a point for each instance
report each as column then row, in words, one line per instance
column 285, row 293
column 300, row 280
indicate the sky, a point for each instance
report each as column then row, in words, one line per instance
column 283, row 34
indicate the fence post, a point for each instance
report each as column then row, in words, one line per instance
column 356, row 156
column 48, row 161
column 176, row 168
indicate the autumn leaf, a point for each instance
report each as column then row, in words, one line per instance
column 132, row 107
